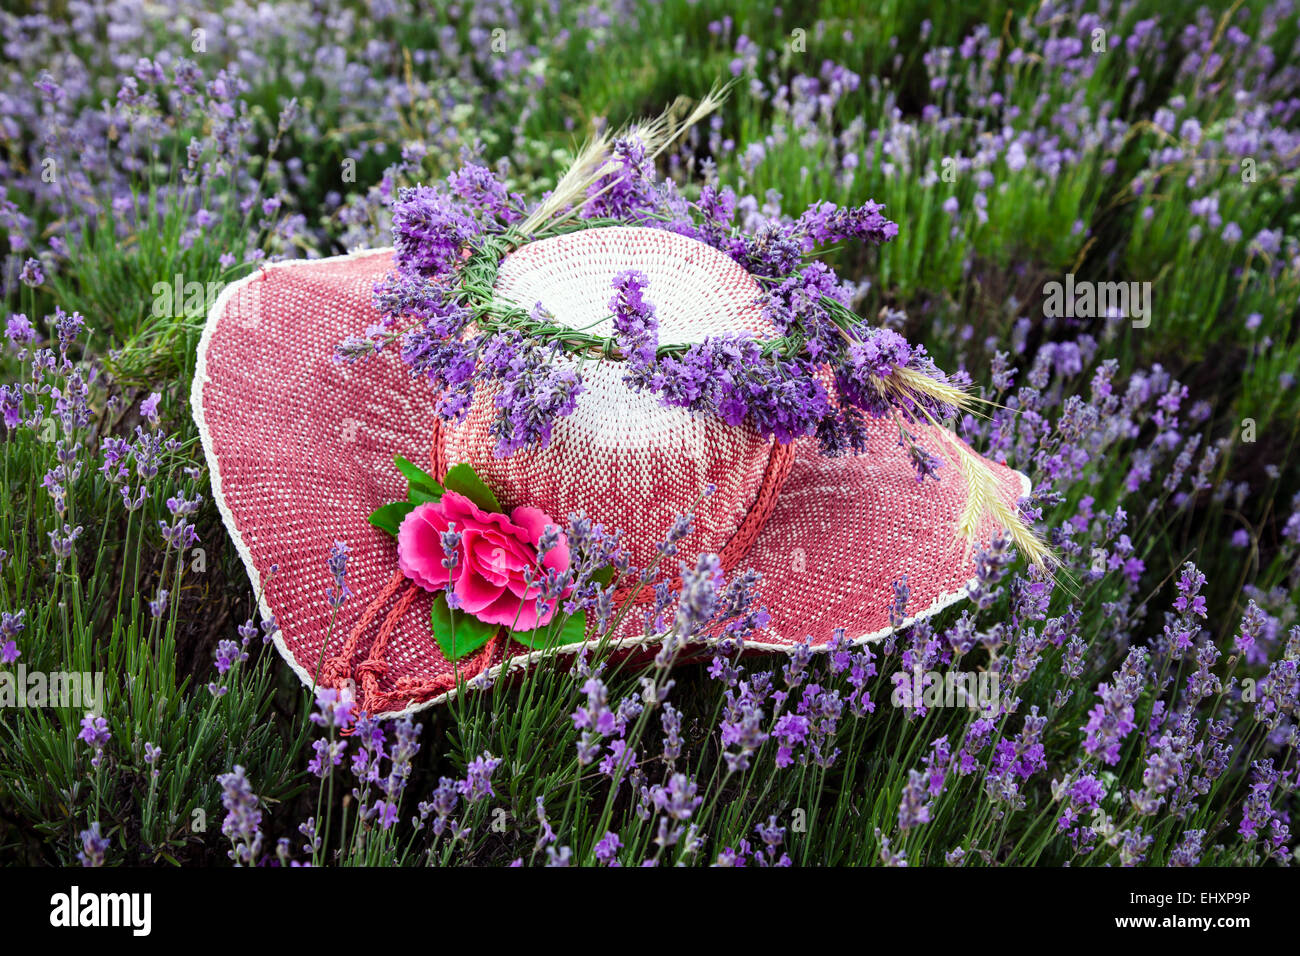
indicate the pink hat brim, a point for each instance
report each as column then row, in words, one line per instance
column 300, row 450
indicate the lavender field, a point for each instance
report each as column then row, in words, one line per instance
column 1097, row 233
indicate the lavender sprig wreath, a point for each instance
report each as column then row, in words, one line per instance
column 822, row 376
column 459, row 336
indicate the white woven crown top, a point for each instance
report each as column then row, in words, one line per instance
column 696, row 290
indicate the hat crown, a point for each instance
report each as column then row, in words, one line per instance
column 622, row 457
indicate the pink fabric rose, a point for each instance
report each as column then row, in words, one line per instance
column 494, row 553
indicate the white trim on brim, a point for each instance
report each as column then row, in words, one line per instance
column 515, row 662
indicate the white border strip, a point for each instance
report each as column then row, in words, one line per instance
column 943, row 602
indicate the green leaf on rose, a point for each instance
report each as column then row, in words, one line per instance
column 458, row 634
column 420, row 494
column 461, row 479
column 420, row 485
column 572, row 630
column 389, row 517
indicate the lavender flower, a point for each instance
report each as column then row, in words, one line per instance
column 626, row 191
column 430, row 230
column 93, row 846
column 772, row 837
column 898, row 606
column 229, row 653
column 95, row 733
column 159, row 604
column 31, row 273
column 636, row 329
column 824, row 223
column 1278, row 693
column 1112, row 720
column 11, row 625
column 152, row 755
column 1188, row 850
column 61, row 543
column 477, row 784
column 335, row 708
column 1190, row 604
column 243, row 822
column 914, row 806
column 149, row 408
column 338, row 568
column 606, row 849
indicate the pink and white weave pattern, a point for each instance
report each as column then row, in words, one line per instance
column 622, row 457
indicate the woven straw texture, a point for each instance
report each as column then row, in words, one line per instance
column 697, row 291
column 300, row 449
column 622, row 457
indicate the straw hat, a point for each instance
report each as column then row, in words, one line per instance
column 301, row 450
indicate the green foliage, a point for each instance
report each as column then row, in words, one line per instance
column 458, row 634
column 961, row 279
